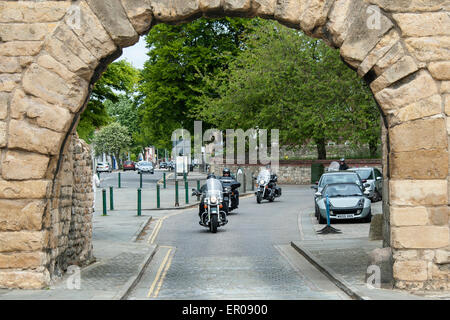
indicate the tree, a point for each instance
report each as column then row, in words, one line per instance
column 119, row 77
column 173, row 77
column 288, row 81
column 112, row 139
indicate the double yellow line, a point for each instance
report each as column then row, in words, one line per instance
column 151, row 239
column 161, row 274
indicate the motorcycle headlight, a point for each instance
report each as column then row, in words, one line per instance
column 213, row 199
column 261, row 182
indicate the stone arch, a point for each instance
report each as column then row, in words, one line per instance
column 52, row 52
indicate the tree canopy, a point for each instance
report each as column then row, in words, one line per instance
column 119, row 78
column 173, row 78
column 288, row 81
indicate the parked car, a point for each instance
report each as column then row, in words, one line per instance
column 163, row 165
column 129, row 165
column 171, row 165
column 146, row 167
column 103, row 167
column 373, row 177
column 337, row 177
column 346, row 201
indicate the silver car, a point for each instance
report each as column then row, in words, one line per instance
column 374, row 178
column 103, row 167
column 146, row 167
column 346, row 201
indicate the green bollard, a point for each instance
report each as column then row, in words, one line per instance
column 111, row 199
column 98, row 175
column 164, row 178
column 139, row 208
column 185, row 176
column 158, row 196
column 119, row 181
column 253, row 183
column 186, row 187
column 104, row 201
column 198, row 188
column 177, row 204
column 245, row 182
column 140, row 180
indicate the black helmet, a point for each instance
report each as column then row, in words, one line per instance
column 226, row 172
column 211, row 176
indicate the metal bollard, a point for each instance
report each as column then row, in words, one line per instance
column 111, row 199
column 253, row 183
column 158, row 196
column 245, row 182
column 140, row 180
column 139, row 199
column 164, row 178
column 119, row 181
column 198, row 188
column 104, row 201
column 185, row 176
column 98, row 175
column 186, row 187
column 177, row 204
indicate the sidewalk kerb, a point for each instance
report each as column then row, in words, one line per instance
column 125, row 290
column 330, row 274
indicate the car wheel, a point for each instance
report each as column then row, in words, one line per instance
column 322, row 220
column 368, row 219
column 316, row 211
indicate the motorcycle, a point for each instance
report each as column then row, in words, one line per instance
column 213, row 214
column 266, row 187
column 230, row 194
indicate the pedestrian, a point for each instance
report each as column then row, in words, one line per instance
column 95, row 185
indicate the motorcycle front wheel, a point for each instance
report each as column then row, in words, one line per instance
column 258, row 197
column 214, row 223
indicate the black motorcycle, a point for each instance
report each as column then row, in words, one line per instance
column 212, row 210
column 230, row 193
column 266, row 187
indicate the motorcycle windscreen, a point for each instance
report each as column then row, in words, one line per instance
column 264, row 175
column 214, row 188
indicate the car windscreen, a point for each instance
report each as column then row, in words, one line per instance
column 339, row 178
column 342, row 190
column 365, row 174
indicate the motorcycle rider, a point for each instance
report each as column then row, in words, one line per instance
column 201, row 206
column 342, row 165
column 226, row 175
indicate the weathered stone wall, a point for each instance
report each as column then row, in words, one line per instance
column 51, row 53
column 71, row 209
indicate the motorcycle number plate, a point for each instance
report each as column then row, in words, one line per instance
column 213, row 210
column 226, row 198
column 345, row 216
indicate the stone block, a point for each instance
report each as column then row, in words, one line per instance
column 440, row 70
column 25, row 31
column 4, row 102
column 264, row 8
column 21, row 260
column 442, row 257
column 9, row 81
column 423, row 24
column 115, row 21
column 429, row 48
column 3, row 134
column 418, row 87
column 315, row 15
column 288, row 12
column 409, row 5
column 23, row 241
column 140, row 14
column 18, row 165
column 31, row 11
column 25, row 136
column 9, row 65
column 420, row 237
column 424, row 108
column 410, row 270
column 397, row 71
column 420, row 134
column 408, row 216
column 20, row 48
column 39, row 112
column 439, row 215
column 33, row 189
column 418, row 192
column 17, row 215
column 420, row 164
column 24, row 279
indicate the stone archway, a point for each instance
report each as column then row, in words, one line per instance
column 51, row 53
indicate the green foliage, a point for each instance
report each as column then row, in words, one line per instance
column 173, row 77
column 288, row 81
column 119, row 77
column 113, row 139
column 124, row 112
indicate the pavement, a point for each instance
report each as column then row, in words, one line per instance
column 120, row 260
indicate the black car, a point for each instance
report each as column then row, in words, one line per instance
column 163, row 165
